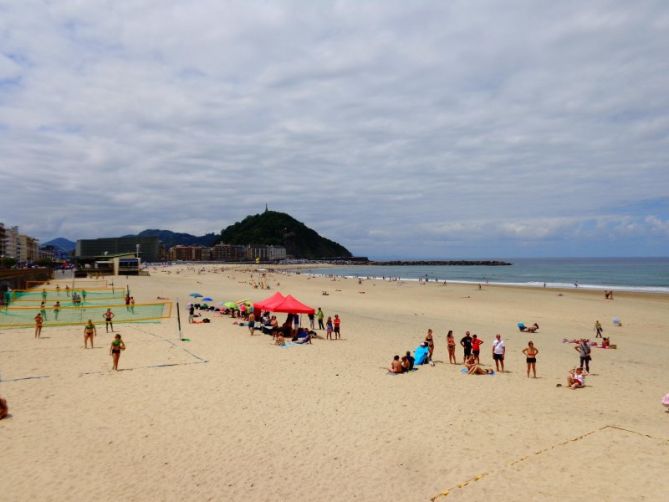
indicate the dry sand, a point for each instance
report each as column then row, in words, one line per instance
column 236, row 418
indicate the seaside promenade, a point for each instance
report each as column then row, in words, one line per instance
column 228, row 416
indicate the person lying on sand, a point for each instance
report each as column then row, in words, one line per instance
column 528, row 329
column 475, row 369
column 396, row 365
column 280, row 339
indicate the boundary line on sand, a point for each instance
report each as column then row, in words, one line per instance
column 37, row 377
column 482, row 475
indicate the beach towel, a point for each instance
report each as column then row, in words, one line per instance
column 291, row 344
column 420, row 355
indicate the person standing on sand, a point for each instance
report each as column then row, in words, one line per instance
column 42, row 310
column 598, row 329
column 108, row 316
column 450, row 342
column 466, row 343
column 328, row 329
column 132, row 304
column 583, row 349
column 83, row 295
column 89, row 333
column 43, row 295
column 252, row 323
column 476, row 348
column 320, row 316
column 311, row 321
column 531, row 358
column 498, row 350
column 337, row 327
column 67, row 290
column 56, row 310
column 115, row 349
column 39, row 321
column 429, row 339
column 58, row 290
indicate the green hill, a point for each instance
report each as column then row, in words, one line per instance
column 281, row 229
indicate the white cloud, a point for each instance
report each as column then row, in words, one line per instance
column 369, row 121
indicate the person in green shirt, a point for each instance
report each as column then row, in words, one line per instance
column 320, row 317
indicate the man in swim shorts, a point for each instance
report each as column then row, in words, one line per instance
column 498, row 350
column 396, row 365
column 476, row 347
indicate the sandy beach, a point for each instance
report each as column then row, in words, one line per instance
column 228, row 416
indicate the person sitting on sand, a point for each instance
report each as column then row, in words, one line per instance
column 474, row 369
column 396, row 365
column 4, row 409
column 576, row 378
column 410, row 360
column 279, row 339
column 115, row 349
column 89, row 333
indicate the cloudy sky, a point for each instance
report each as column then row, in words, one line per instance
column 416, row 129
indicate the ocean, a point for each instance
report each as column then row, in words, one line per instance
column 623, row 274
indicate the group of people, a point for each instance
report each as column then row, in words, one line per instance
column 117, row 344
column 471, row 345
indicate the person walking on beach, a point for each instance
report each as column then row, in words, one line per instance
column 115, row 349
column 498, row 350
column 89, row 333
column 450, row 343
column 476, row 348
column 337, row 327
column 429, row 339
column 598, row 329
column 39, row 321
column 466, row 343
column 583, row 349
column 56, row 310
column 108, row 316
column 320, row 316
column 531, row 358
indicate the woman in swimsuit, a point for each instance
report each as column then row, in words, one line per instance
column 430, row 346
column 451, row 347
column 531, row 358
column 475, row 369
column 89, row 333
column 115, row 349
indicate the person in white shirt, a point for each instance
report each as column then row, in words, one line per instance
column 498, row 350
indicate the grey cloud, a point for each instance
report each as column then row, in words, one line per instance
column 373, row 122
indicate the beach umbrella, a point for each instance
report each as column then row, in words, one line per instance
column 230, row 305
column 196, row 295
column 207, row 299
column 245, row 302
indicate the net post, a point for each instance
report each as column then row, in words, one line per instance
column 179, row 320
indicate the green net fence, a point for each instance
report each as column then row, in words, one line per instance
column 18, row 316
column 52, row 296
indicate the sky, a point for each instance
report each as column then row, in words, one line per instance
column 424, row 129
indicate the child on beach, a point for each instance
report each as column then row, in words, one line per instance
column 328, row 328
column 115, row 349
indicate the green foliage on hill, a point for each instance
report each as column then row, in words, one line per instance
column 281, row 229
column 169, row 238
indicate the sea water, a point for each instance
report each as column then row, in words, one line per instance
column 627, row 274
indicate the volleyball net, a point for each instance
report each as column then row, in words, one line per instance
column 78, row 283
column 51, row 296
column 20, row 316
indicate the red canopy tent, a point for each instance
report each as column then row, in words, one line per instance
column 292, row 305
column 268, row 303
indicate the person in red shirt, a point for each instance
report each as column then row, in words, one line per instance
column 476, row 347
column 337, row 324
